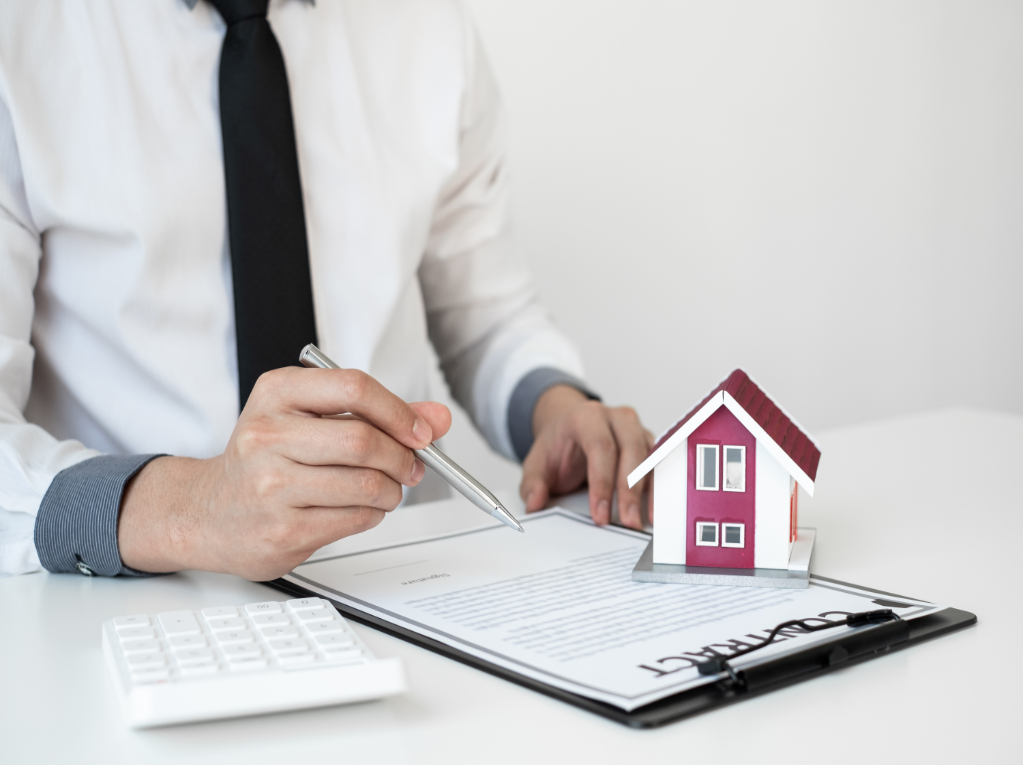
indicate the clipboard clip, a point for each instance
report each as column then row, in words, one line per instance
column 743, row 680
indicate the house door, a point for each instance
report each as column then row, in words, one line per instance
column 720, row 509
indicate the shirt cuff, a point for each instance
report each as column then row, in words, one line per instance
column 76, row 528
column 523, row 401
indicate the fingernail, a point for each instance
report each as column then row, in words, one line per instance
column 603, row 511
column 418, row 472
column 422, row 431
column 532, row 499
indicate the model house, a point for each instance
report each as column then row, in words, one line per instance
column 725, row 477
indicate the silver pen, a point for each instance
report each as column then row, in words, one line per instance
column 433, row 457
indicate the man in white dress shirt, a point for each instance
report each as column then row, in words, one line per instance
column 117, row 329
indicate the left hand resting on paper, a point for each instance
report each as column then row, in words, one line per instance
column 579, row 441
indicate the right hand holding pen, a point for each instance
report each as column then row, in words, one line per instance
column 290, row 481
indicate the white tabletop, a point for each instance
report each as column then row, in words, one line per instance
column 925, row 506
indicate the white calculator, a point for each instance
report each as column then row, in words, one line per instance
column 229, row 661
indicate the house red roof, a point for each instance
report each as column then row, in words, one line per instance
column 767, row 415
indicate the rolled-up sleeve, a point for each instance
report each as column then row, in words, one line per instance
column 483, row 317
column 76, row 527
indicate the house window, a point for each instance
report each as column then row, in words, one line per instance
column 707, row 467
column 735, row 468
column 733, row 534
column 707, row 534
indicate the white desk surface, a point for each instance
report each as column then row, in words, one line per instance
column 926, row 506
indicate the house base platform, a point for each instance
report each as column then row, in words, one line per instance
column 795, row 577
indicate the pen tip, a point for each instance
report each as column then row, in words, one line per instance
column 508, row 519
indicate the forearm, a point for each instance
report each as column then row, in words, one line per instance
column 160, row 525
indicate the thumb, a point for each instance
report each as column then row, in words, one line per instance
column 533, row 489
column 437, row 415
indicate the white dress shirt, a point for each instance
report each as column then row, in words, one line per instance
column 116, row 319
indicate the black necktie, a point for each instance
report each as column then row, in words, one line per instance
column 273, row 297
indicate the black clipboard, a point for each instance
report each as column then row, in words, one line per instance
column 819, row 659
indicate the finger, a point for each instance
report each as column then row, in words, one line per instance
column 327, row 441
column 333, row 391
column 631, row 440
column 594, row 436
column 330, row 486
column 437, row 415
column 535, row 486
column 646, row 484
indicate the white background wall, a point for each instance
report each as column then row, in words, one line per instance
column 828, row 194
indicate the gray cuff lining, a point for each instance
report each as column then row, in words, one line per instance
column 76, row 528
column 523, row 402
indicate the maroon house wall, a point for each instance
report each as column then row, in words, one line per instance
column 721, row 428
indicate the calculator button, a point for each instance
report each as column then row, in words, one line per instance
column 280, row 632
column 151, row 659
column 242, row 651
column 220, row 612
column 289, row 646
column 235, row 636
column 200, row 668
column 341, row 652
column 267, row 619
column 141, row 646
column 187, row 641
column 145, row 675
column 135, row 633
column 248, row 665
column 226, row 624
column 317, row 614
column 270, row 607
column 291, row 659
column 131, row 621
column 334, row 641
column 301, row 604
column 179, row 623
column 317, row 627
column 193, row 655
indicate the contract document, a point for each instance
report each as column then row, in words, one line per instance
column 558, row 605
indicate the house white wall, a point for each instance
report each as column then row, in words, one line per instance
column 670, row 498
column 771, row 548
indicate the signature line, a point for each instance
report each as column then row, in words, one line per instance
column 400, row 565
